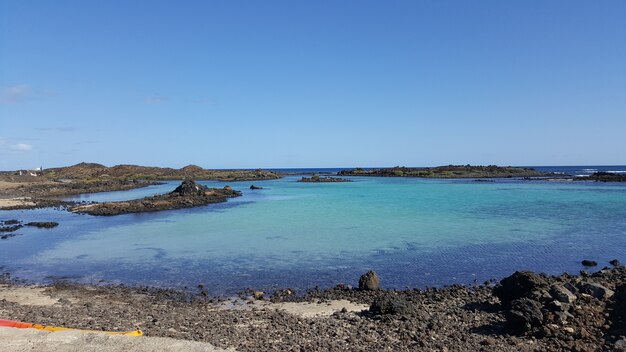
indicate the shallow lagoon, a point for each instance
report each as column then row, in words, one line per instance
column 413, row 232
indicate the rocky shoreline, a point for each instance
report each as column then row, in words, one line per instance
column 603, row 177
column 450, row 171
column 187, row 195
column 524, row 312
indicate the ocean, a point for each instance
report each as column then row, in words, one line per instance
column 413, row 232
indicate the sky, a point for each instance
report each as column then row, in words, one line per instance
column 271, row 84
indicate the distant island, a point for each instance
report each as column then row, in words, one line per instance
column 317, row 178
column 136, row 172
column 450, row 171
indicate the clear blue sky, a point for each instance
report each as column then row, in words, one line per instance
column 243, row 84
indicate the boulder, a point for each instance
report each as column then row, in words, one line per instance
column 369, row 281
column 524, row 314
column 392, row 305
column 615, row 263
column 519, row 285
column 596, row 290
column 189, row 188
column 255, row 187
column 562, row 294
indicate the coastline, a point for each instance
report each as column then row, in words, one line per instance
column 455, row 318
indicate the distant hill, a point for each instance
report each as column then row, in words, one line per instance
column 85, row 171
column 450, row 171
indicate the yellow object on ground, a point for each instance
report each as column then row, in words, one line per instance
column 21, row 325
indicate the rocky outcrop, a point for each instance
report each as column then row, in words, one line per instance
column 603, row 177
column 187, row 195
column 317, row 178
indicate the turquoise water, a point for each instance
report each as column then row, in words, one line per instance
column 414, row 232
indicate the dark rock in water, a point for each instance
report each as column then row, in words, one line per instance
column 615, row 262
column 519, row 285
column 588, row 262
column 255, row 187
column 189, row 187
column 392, row 305
column 8, row 235
column 596, row 290
column 11, row 222
column 603, row 177
column 45, row 225
column 524, row 314
column 369, row 281
column 10, row 228
column 316, row 178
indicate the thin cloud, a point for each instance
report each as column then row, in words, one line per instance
column 21, row 147
column 155, row 99
column 56, row 129
column 15, row 94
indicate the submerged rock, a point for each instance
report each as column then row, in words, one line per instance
column 43, row 224
column 588, row 262
column 255, row 187
column 615, row 262
column 369, row 281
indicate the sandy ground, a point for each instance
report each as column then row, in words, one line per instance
column 14, row 202
column 18, row 340
column 301, row 309
column 31, row 295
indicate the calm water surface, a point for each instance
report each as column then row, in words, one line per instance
column 414, row 232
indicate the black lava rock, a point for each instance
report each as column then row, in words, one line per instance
column 519, row 285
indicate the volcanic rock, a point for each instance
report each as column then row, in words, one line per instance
column 189, row 187
column 519, row 285
column 369, row 281
column 391, row 305
column 524, row 314
column 596, row 290
column 562, row 294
